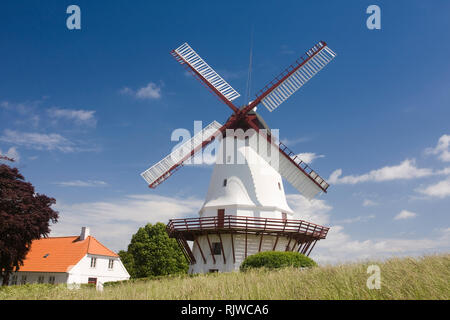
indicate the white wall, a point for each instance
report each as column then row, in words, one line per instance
column 239, row 248
column 32, row 277
column 82, row 270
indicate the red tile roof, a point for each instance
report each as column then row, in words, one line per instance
column 60, row 254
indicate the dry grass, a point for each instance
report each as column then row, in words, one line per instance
column 401, row 278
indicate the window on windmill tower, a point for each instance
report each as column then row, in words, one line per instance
column 247, row 141
column 217, row 249
column 224, row 182
column 279, row 185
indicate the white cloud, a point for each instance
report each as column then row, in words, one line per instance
column 151, row 91
column 405, row 170
column 405, row 214
column 338, row 247
column 12, row 153
column 80, row 183
column 315, row 211
column 38, row 141
column 442, row 148
column 292, row 142
column 26, row 110
column 357, row 219
column 438, row 190
column 83, row 117
column 114, row 222
column 369, row 203
column 309, row 157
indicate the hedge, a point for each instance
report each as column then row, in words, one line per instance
column 277, row 259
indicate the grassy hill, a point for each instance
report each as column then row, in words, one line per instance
column 401, row 278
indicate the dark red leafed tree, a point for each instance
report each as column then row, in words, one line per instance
column 24, row 217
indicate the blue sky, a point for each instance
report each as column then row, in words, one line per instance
column 86, row 111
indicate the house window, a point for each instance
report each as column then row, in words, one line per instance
column 111, row 264
column 51, row 279
column 224, row 182
column 93, row 262
column 41, row 279
column 23, row 280
column 213, row 270
column 217, row 248
column 14, row 279
column 92, row 280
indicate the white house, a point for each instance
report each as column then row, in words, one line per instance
column 71, row 260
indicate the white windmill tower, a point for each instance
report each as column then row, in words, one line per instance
column 245, row 210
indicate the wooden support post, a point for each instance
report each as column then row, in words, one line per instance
column 223, row 251
column 276, row 241
column 232, row 247
column 245, row 252
column 188, row 258
column 293, row 246
column 306, row 247
column 287, row 246
column 311, row 248
column 260, row 242
column 200, row 249
column 210, row 248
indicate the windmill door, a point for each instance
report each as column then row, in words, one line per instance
column 221, row 218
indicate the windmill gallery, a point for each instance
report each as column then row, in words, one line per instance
column 245, row 210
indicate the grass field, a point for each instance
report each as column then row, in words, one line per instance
column 401, row 278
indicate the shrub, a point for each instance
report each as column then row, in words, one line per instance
column 277, row 259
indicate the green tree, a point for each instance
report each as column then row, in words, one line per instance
column 152, row 253
column 128, row 262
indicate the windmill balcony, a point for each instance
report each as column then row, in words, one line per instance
column 300, row 230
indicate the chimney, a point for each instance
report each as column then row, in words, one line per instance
column 84, row 233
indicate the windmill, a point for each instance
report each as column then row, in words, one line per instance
column 245, row 210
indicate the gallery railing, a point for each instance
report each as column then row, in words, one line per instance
column 248, row 224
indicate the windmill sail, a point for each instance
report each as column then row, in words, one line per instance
column 295, row 76
column 185, row 54
column 299, row 174
column 165, row 168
